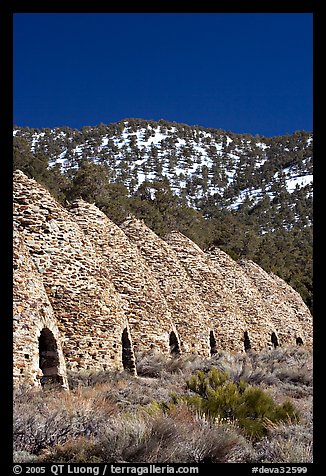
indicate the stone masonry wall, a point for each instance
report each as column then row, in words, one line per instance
column 256, row 307
column 189, row 314
column 88, row 309
column 32, row 312
column 147, row 310
column 227, row 318
column 259, row 303
column 288, row 311
column 87, row 292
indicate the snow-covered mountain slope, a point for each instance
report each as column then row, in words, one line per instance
column 204, row 165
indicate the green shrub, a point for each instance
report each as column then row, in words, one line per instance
column 249, row 406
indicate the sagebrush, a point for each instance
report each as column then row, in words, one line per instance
column 117, row 417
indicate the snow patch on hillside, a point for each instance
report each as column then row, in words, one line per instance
column 188, row 158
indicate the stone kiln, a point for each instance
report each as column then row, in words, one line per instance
column 87, row 293
column 88, row 309
column 189, row 313
column 36, row 338
column 147, row 311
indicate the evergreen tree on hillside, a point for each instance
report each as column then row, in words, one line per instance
column 200, row 174
column 36, row 166
column 24, row 160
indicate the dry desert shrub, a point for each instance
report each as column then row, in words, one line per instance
column 24, row 457
column 286, row 443
column 273, row 367
column 183, row 437
column 114, row 416
column 43, row 419
column 128, row 392
column 155, row 364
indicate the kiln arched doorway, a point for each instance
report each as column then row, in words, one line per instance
column 212, row 343
column 299, row 341
column 174, row 344
column 274, row 340
column 246, row 341
column 128, row 357
column 49, row 358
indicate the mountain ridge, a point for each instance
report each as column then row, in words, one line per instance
column 250, row 195
column 199, row 161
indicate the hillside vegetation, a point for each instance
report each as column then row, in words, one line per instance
column 249, row 195
column 253, row 407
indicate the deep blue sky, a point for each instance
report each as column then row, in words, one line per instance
column 239, row 72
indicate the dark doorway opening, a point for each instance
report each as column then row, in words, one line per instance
column 212, row 343
column 49, row 358
column 299, row 341
column 246, row 341
column 174, row 344
column 274, row 340
column 128, row 358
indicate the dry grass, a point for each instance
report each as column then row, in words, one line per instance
column 182, row 437
column 116, row 417
column 286, row 444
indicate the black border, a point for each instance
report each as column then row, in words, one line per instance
column 6, row 115
column 99, row 6
column 7, row 11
